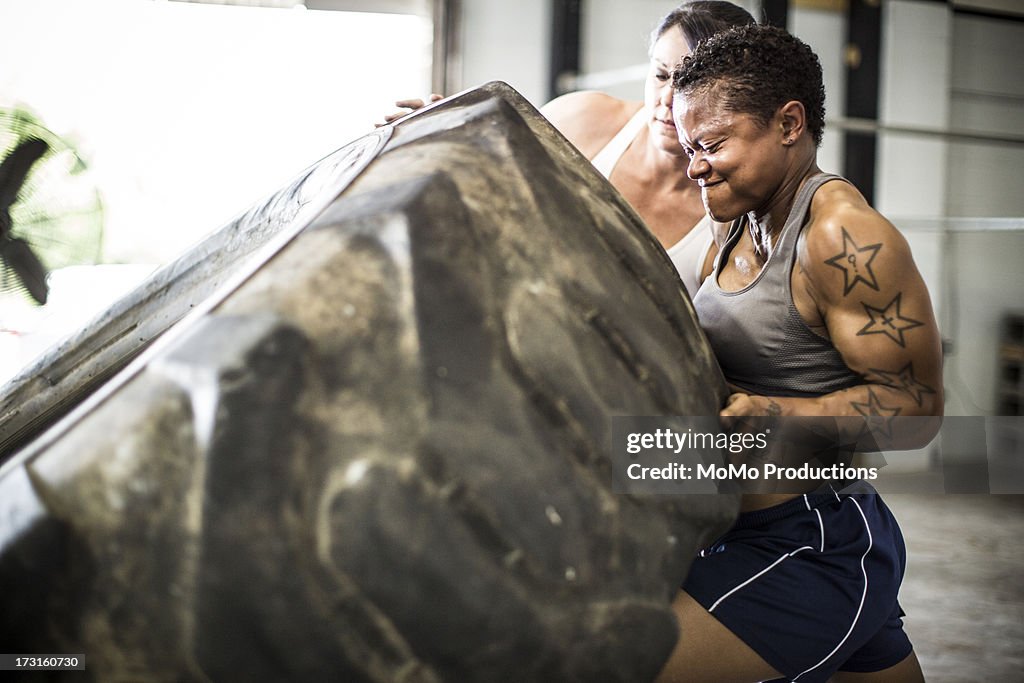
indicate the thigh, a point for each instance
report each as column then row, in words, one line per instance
column 708, row 651
column 907, row 671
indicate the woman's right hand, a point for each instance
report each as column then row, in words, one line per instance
column 408, row 106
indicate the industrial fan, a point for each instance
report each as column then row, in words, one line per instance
column 51, row 215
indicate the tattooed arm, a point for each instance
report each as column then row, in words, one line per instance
column 856, row 284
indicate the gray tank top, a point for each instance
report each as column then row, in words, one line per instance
column 761, row 342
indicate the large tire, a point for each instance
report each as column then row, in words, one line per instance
column 386, row 455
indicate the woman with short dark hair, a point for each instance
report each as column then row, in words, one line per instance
column 813, row 307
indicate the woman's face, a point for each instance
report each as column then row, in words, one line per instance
column 666, row 53
column 738, row 161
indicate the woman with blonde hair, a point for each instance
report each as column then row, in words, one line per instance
column 634, row 144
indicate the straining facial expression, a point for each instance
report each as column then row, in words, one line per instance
column 733, row 156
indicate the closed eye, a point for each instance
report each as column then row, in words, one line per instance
column 713, row 146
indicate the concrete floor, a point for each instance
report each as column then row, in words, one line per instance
column 964, row 588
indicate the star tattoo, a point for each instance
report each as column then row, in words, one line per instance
column 904, row 380
column 888, row 321
column 855, row 262
column 877, row 415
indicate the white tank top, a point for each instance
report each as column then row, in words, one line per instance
column 690, row 252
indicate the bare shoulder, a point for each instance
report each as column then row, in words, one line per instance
column 847, row 244
column 589, row 119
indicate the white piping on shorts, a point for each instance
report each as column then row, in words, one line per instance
column 863, row 595
column 821, row 524
column 757, row 576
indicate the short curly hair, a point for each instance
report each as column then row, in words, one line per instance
column 755, row 70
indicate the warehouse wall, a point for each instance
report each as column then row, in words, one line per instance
column 986, row 94
column 507, row 41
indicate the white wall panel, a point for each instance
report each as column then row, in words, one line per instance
column 507, row 41
column 987, row 96
column 910, row 174
column 825, row 32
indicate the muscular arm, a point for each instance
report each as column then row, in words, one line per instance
column 857, row 280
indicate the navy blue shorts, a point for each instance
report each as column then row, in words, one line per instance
column 811, row 584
